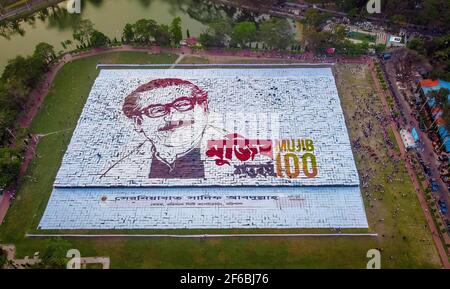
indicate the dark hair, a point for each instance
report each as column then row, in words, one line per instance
column 131, row 107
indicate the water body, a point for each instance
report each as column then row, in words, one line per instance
column 109, row 17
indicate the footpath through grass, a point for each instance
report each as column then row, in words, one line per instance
column 404, row 240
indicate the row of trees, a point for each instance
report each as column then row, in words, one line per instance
column 318, row 40
column 431, row 13
column 148, row 30
column 20, row 76
column 437, row 51
column 220, row 32
column 86, row 36
column 274, row 33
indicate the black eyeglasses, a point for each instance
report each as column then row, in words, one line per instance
column 181, row 104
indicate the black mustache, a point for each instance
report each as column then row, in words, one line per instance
column 175, row 124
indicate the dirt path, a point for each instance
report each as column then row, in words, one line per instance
column 415, row 181
column 177, row 61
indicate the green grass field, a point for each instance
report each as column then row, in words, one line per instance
column 362, row 36
column 393, row 212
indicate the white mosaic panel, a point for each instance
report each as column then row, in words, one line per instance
column 288, row 103
column 196, row 207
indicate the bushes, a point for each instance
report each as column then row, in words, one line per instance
column 144, row 31
column 20, row 77
column 54, row 256
column 380, row 76
column 10, row 161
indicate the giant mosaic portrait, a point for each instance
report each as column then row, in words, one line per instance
column 208, row 148
column 204, row 127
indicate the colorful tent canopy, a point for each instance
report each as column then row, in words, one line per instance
column 429, row 85
column 415, row 134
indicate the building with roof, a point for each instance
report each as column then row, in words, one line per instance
column 426, row 86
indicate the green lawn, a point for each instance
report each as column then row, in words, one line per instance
column 362, row 36
column 403, row 238
column 393, row 140
column 194, row 60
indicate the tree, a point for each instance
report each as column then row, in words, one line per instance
column 98, row 39
column 208, row 40
column 417, row 44
column 277, row 33
column 162, row 35
column 217, row 33
column 54, row 256
column 314, row 18
column 19, row 77
column 128, row 33
column 9, row 166
column 45, row 53
column 145, row 29
column 244, row 33
column 175, row 31
column 317, row 41
column 82, row 31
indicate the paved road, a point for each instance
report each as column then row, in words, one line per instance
column 287, row 11
column 280, row 11
column 409, row 122
column 27, row 7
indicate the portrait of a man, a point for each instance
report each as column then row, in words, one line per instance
column 171, row 114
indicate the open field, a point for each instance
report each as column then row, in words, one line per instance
column 362, row 36
column 391, row 203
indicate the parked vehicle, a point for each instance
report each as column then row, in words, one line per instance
column 387, row 56
column 442, row 207
column 426, row 170
column 434, row 185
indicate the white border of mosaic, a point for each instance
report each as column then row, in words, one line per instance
column 201, row 208
column 308, row 106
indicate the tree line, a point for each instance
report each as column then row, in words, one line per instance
column 274, row 33
column 431, row 13
column 222, row 32
column 437, row 51
column 20, row 76
column 318, row 39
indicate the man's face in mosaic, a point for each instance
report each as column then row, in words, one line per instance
column 173, row 116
